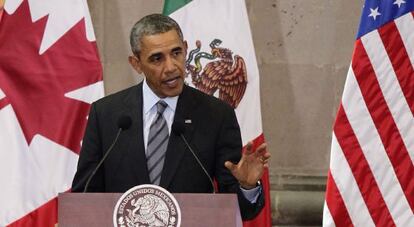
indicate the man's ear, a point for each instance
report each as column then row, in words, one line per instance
column 185, row 47
column 135, row 63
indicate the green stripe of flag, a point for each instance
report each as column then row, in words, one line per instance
column 172, row 5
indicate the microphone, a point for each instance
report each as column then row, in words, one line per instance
column 178, row 128
column 123, row 123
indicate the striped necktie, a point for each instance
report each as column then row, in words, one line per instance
column 157, row 144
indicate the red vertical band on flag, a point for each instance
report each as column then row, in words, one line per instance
column 361, row 171
column 400, row 60
column 336, row 204
column 384, row 122
column 45, row 216
column 264, row 218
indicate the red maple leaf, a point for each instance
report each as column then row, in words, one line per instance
column 35, row 84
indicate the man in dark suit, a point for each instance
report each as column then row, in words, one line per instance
column 208, row 124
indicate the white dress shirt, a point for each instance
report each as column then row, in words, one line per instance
column 149, row 112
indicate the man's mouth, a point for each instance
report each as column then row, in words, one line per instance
column 172, row 82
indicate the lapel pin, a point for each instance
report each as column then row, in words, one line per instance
column 187, row 121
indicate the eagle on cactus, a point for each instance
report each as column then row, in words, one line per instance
column 224, row 73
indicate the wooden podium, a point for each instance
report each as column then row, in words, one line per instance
column 96, row 209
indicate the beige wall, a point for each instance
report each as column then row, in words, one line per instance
column 303, row 48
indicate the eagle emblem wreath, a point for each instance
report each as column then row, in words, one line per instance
column 225, row 73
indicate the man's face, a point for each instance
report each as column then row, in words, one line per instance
column 162, row 60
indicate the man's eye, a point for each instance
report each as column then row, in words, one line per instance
column 177, row 53
column 155, row 59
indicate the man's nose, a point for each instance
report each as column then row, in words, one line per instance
column 170, row 64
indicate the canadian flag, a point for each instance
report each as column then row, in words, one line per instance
column 49, row 74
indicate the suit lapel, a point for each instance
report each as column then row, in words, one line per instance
column 176, row 146
column 136, row 149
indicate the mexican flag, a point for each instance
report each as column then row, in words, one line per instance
column 222, row 62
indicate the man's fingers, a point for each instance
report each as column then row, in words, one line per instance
column 266, row 155
column 261, row 148
column 261, row 151
column 229, row 165
column 248, row 148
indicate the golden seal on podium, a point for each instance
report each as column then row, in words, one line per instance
column 147, row 205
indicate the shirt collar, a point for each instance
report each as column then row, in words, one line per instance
column 150, row 98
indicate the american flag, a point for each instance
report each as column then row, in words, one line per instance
column 371, row 176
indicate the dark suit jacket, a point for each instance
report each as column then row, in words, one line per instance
column 213, row 134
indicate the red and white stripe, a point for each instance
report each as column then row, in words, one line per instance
column 370, row 182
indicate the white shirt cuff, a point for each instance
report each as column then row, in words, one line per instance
column 251, row 194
